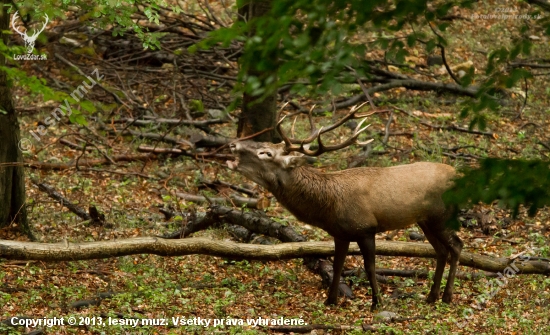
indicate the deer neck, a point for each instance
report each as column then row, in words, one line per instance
column 308, row 194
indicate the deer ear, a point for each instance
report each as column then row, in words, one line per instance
column 279, row 145
column 293, row 161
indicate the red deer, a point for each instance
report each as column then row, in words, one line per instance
column 353, row 205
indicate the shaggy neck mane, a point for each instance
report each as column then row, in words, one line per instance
column 306, row 185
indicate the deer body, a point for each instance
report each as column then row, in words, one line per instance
column 364, row 199
column 353, row 205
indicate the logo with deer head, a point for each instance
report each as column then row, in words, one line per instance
column 29, row 40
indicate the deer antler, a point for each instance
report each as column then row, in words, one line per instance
column 43, row 27
column 13, row 24
column 24, row 34
column 316, row 134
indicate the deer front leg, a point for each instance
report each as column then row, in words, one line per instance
column 368, row 249
column 340, row 252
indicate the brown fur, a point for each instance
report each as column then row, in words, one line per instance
column 354, row 204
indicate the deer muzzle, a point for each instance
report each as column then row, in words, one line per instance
column 233, row 164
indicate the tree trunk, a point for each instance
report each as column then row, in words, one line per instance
column 258, row 114
column 12, row 177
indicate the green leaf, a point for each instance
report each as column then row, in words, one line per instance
column 400, row 56
column 77, row 118
column 196, row 105
column 511, row 182
column 301, row 41
column 88, row 106
column 430, row 45
column 337, row 88
column 516, row 75
column 443, row 26
column 526, row 47
column 411, row 40
column 515, row 51
column 193, row 49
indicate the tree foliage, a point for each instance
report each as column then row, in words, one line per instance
column 311, row 44
column 510, row 182
column 102, row 13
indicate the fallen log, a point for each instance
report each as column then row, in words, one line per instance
column 314, row 327
column 220, row 184
column 175, row 122
column 417, row 274
column 257, row 223
column 88, row 162
column 67, row 251
column 258, row 203
column 52, row 193
column 160, row 150
column 181, row 143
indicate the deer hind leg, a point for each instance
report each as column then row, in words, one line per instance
column 341, row 250
column 368, row 249
column 441, row 259
column 454, row 246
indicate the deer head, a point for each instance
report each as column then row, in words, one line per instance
column 29, row 40
column 264, row 163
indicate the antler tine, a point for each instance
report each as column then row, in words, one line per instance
column 36, row 33
column 313, row 132
column 290, row 144
column 292, row 127
column 281, row 111
column 286, row 139
column 310, row 118
column 358, row 131
column 281, row 119
column 350, row 115
column 283, row 107
column 290, row 141
column 14, row 17
column 353, row 139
